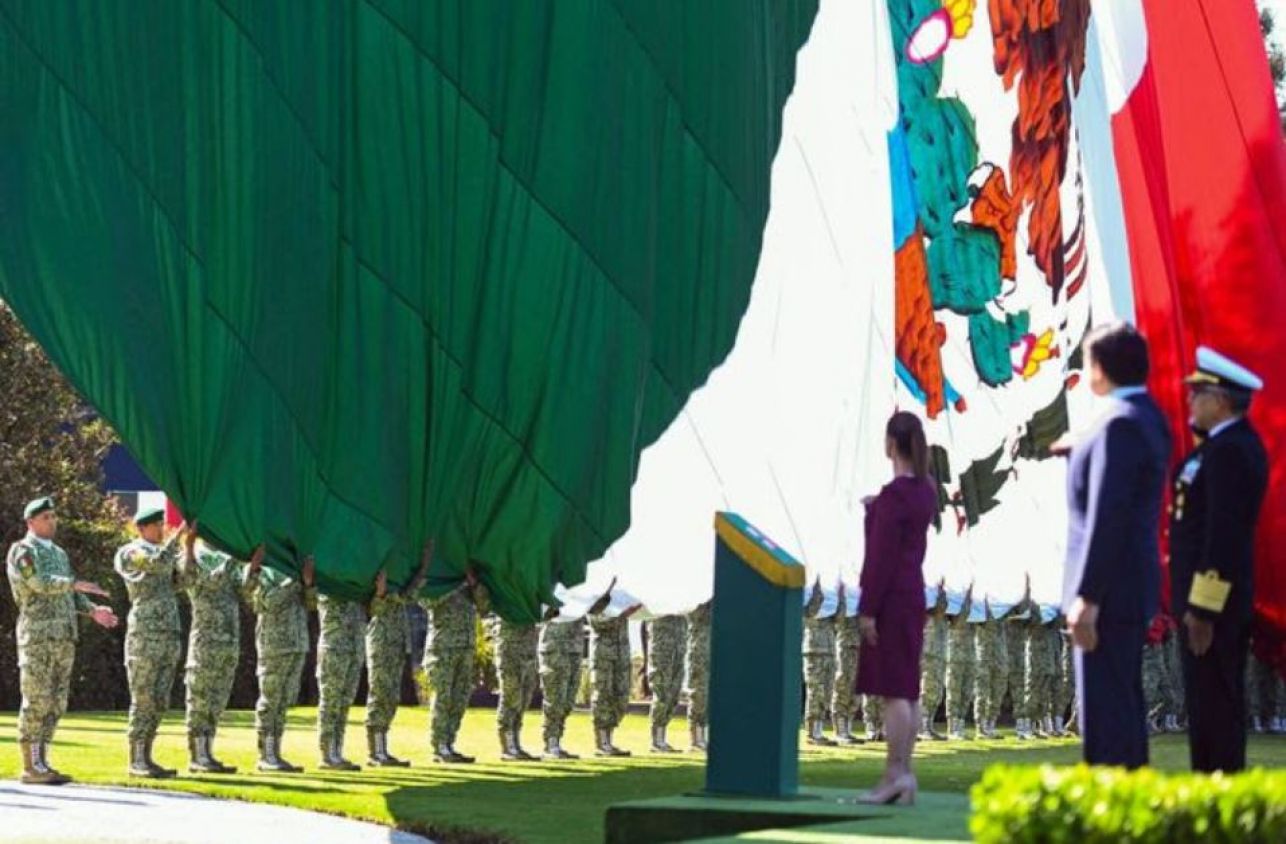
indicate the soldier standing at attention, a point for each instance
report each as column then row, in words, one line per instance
column 609, row 661
column 341, row 654
column 1040, row 675
column 847, row 645
column 960, row 665
column 517, row 649
column 696, row 680
column 668, row 639
column 387, row 638
column 562, row 649
column 152, row 638
column 819, row 662
column 214, row 583
column 933, row 661
column 282, row 604
column 449, row 662
column 48, row 597
column 1218, row 491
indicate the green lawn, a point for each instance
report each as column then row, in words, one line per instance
column 532, row 802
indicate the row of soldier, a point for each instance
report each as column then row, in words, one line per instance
column 975, row 654
column 353, row 635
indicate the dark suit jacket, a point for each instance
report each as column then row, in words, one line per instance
column 1218, row 491
column 1116, row 483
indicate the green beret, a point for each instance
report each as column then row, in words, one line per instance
column 35, row 508
column 149, row 516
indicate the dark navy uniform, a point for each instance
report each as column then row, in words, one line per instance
column 1218, row 490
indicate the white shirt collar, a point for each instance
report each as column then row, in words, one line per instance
column 1127, row 392
column 43, row 543
column 1222, row 426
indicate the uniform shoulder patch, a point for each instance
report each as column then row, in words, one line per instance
column 25, row 562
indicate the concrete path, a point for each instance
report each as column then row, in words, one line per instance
column 76, row 813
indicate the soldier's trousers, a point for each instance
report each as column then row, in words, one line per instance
column 819, row 683
column 1154, row 679
column 844, row 698
column 1016, row 678
column 450, row 673
column 933, row 683
column 1215, row 686
column 1066, row 701
column 279, row 676
column 665, row 677
column 44, row 675
column 696, row 688
column 873, row 714
column 1174, row 670
column 611, row 695
column 960, row 664
column 151, row 667
column 384, row 669
column 518, row 673
column 339, row 673
column 1040, row 683
column 991, row 672
column 559, row 683
column 209, row 678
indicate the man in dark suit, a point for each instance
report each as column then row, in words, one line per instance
column 1218, row 491
column 1112, row 579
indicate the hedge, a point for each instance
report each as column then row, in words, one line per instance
column 1087, row 805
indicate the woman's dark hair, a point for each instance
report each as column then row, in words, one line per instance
column 907, row 434
column 1121, row 352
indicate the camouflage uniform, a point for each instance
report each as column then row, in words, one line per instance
column 873, row 717
column 1040, row 652
column 562, row 646
column 991, row 666
column 819, row 665
column 666, row 643
column 1154, row 680
column 41, row 579
column 387, row 637
column 609, row 665
column 1016, row 676
column 1177, row 702
column 1065, row 702
column 214, row 583
column 844, row 698
column 517, row 649
column 696, row 678
column 449, row 663
column 282, row 604
column 152, row 638
column 341, row 655
column 933, row 666
column 960, row 671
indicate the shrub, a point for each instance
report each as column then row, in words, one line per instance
column 1092, row 805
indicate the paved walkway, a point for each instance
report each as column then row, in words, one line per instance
column 87, row 814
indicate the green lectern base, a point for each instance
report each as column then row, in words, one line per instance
column 816, row 816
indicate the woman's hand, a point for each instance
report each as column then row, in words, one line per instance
column 866, row 629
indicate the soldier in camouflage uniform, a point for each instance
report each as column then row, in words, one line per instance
column 991, row 674
column 960, row 665
column 1065, row 702
column 449, row 663
column 667, row 640
column 48, row 597
column 1040, row 651
column 933, row 663
column 282, row 604
column 609, row 666
column 1155, row 681
column 1015, row 627
column 214, row 583
column 562, row 645
column 819, row 664
column 696, row 679
column 847, row 647
column 1176, row 704
column 153, row 636
column 387, row 642
column 341, row 655
column 517, row 649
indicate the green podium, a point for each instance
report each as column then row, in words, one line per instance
column 755, row 665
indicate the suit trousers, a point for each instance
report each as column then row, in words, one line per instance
column 1109, row 685
column 1214, row 687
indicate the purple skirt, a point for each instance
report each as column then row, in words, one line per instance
column 892, row 667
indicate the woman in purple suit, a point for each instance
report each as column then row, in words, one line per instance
column 891, row 613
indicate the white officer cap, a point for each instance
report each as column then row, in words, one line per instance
column 1218, row 370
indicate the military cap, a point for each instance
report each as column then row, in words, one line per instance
column 38, row 506
column 149, row 516
column 1218, row 370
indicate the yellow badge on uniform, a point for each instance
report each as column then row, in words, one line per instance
column 1209, row 592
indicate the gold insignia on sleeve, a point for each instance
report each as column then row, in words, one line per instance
column 1208, row 592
